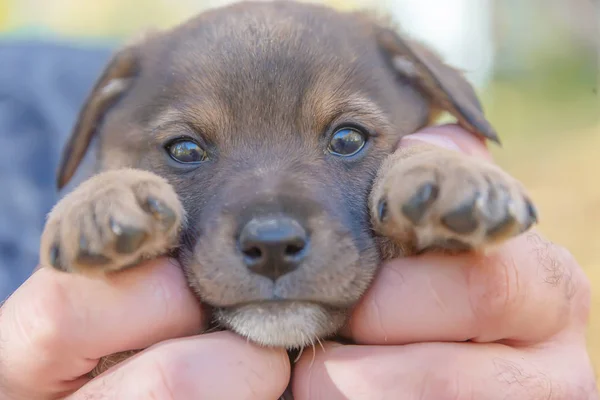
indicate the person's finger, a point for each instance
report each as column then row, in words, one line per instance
column 58, row 325
column 526, row 290
column 212, row 366
column 434, row 371
column 450, row 136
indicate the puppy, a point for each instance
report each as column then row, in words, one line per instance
column 257, row 143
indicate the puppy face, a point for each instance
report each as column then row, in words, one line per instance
column 270, row 120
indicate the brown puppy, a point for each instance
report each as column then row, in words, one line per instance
column 256, row 143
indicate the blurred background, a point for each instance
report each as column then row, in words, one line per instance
column 534, row 62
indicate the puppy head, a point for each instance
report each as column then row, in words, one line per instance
column 270, row 120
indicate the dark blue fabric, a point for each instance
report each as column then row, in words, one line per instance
column 42, row 86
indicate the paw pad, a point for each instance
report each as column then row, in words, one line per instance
column 128, row 239
column 464, row 219
column 112, row 221
column 418, row 204
column 449, row 201
column 161, row 212
column 87, row 257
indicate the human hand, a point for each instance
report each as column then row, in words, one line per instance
column 56, row 326
column 507, row 325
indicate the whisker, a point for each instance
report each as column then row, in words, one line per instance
column 321, row 344
column 312, row 343
column 299, row 355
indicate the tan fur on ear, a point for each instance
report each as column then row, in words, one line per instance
column 446, row 88
column 115, row 80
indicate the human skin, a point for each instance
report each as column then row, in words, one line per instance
column 509, row 324
column 56, row 326
column 524, row 309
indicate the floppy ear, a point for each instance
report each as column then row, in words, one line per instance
column 445, row 87
column 112, row 84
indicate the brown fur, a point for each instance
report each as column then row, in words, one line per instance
column 262, row 86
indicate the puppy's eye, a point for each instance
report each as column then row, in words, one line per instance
column 186, row 151
column 347, row 142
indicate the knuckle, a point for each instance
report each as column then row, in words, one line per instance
column 585, row 292
column 579, row 277
column 34, row 321
column 48, row 316
column 575, row 283
column 582, row 300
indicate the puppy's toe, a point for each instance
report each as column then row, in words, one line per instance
column 416, row 206
column 162, row 213
column 444, row 200
column 112, row 221
column 128, row 239
column 87, row 256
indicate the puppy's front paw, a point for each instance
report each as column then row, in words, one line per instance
column 439, row 199
column 111, row 221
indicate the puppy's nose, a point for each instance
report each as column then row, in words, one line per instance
column 273, row 246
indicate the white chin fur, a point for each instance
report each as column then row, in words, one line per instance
column 282, row 324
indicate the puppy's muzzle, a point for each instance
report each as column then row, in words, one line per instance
column 280, row 265
column 273, row 245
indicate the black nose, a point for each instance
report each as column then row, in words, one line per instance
column 273, row 246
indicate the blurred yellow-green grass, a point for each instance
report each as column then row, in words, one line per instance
column 548, row 115
column 551, row 149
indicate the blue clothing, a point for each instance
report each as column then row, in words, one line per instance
column 42, row 87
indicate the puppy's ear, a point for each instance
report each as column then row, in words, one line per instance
column 445, row 87
column 115, row 80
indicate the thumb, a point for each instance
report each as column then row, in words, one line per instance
column 451, row 137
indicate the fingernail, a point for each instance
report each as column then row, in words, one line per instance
column 436, row 140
